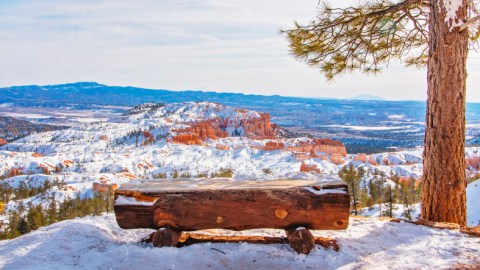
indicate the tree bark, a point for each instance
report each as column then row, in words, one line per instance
column 444, row 181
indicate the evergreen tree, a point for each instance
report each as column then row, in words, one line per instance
column 13, row 222
column 390, row 201
column 435, row 33
column 23, row 226
column 350, row 175
column 407, row 198
column 52, row 211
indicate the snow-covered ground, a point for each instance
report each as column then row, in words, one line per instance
column 115, row 152
column 473, row 204
column 98, row 243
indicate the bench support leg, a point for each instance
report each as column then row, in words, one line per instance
column 165, row 237
column 300, row 239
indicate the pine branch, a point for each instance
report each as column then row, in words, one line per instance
column 363, row 37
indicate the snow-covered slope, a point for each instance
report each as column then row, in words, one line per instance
column 473, row 203
column 141, row 145
column 98, row 243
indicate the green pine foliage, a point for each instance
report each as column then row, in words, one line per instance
column 363, row 37
column 366, row 36
column 368, row 188
column 223, row 172
column 351, row 176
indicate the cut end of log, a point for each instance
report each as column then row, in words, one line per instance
column 165, row 237
column 281, row 213
column 301, row 240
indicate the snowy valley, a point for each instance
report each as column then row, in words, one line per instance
column 197, row 140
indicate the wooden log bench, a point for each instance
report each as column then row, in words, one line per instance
column 173, row 206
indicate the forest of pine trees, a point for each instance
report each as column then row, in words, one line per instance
column 26, row 218
column 365, row 192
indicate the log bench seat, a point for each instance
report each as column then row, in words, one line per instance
column 173, row 206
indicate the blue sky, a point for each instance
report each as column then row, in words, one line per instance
column 213, row 45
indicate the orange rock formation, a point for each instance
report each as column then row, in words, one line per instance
column 3, row 142
column 198, row 132
column 14, row 172
column 364, row 158
column 336, row 159
column 473, row 163
column 274, row 146
column 99, row 187
column 320, row 145
column 309, row 168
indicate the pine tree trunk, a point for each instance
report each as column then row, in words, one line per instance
column 444, row 180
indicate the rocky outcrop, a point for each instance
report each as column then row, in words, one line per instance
column 258, row 128
column 46, row 168
column 336, row 159
column 223, row 147
column 326, row 145
column 407, row 180
column 148, row 138
column 271, row 146
column 188, row 138
column 101, row 187
column 66, row 163
column 128, row 175
column 198, row 132
column 145, row 165
column 309, row 168
column 473, row 163
column 14, row 172
column 364, row 158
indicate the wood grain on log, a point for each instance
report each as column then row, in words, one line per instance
column 236, row 205
column 134, row 216
column 251, row 209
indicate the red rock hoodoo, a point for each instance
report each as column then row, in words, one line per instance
column 198, row 132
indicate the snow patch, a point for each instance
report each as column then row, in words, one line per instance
column 451, row 8
column 368, row 243
column 473, row 204
column 325, row 191
column 122, row 200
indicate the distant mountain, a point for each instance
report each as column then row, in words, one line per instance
column 366, row 97
column 82, row 95
column 12, row 129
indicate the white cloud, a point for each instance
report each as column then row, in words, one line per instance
column 210, row 45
